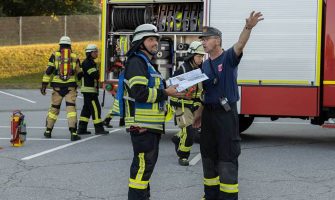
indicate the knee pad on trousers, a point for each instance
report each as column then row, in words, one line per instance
column 209, row 168
column 56, row 106
column 70, row 104
column 228, row 172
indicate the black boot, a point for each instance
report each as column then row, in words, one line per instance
column 74, row 135
column 82, row 129
column 47, row 133
column 183, row 162
column 107, row 121
column 99, row 130
column 122, row 122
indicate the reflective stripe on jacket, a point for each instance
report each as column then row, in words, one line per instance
column 150, row 114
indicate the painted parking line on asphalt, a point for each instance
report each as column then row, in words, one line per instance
column 63, row 146
column 195, row 160
column 18, row 97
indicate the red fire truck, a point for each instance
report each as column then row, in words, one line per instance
column 288, row 67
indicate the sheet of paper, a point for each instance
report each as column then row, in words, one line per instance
column 187, row 80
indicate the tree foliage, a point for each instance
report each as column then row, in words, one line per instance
column 48, row 7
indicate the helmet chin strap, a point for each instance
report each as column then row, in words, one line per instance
column 145, row 49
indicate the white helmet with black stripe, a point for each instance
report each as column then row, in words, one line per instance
column 145, row 30
column 196, row 48
column 91, row 48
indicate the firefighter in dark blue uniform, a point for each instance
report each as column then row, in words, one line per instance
column 145, row 108
column 218, row 118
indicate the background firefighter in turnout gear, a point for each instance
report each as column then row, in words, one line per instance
column 144, row 108
column 90, row 90
column 63, row 70
column 185, row 107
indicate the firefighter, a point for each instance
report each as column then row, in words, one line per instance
column 64, row 68
column 145, row 105
column 185, row 107
column 90, row 90
column 218, row 118
column 114, row 111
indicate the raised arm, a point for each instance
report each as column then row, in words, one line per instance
column 250, row 22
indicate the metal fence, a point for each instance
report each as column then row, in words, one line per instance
column 48, row 29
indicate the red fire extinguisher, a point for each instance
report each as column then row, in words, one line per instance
column 18, row 129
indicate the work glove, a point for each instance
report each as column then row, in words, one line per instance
column 44, row 88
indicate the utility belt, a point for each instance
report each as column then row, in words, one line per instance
column 193, row 106
column 179, row 104
column 218, row 106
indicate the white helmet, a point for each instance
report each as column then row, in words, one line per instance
column 196, row 48
column 91, row 48
column 145, row 30
column 65, row 40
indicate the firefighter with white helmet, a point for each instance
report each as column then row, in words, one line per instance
column 65, row 40
column 90, row 90
column 64, row 67
column 145, row 98
column 185, row 107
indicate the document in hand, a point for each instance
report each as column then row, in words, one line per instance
column 187, row 80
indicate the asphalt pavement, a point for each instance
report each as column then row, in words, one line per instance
column 288, row 159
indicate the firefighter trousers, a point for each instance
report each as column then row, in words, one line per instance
column 184, row 119
column 92, row 108
column 220, row 148
column 186, row 142
column 70, row 95
column 145, row 147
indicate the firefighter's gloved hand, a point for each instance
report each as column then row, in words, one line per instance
column 44, row 88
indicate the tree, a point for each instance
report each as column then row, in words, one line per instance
column 48, row 7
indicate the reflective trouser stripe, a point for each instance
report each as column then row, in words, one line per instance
column 183, row 138
column 88, row 89
column 137, row 183
column 71, row 114
column 212, row 181
column 141, row 164
column 84, row 119
column 52, row 116
column 96, row 119
column 229, row 188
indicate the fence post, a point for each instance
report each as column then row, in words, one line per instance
column 100, row 27
column 20, row 32
column 65, row 24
